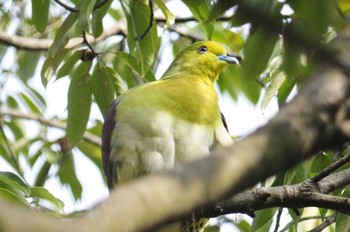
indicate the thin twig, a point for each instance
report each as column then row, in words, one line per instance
column 89, row 137
column 327, row 222
column 278, row 218
column 191, row 19
column 98, row 5
column 65, row 6
column 33, row 44
column 286, row 228
column 73, row 9
column 185, row 33
column 331, row 168
column 150, row 24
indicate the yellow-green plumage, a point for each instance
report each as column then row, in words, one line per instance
column 174, row 120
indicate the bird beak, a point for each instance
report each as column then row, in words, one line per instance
column 229, row 59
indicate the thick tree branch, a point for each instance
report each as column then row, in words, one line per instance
column 18, row 114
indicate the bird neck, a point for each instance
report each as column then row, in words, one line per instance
column 192, row 98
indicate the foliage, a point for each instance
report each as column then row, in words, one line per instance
column 276, row 60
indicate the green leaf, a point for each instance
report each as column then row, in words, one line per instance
column 50, row 66
column 231, row 39
column 118, row 82
column 263, row 219
column 34, row 107
column 96, row 24
column 128, row 60
column 146, row 47
column 243, row 226
column 143, row 40
column 82, row 68
column 320, row 162
column 257, row 52
column 97, row 17
column 16, row 129
column 39, row 99
column 201, row 11
column 220, row 8
column 169, row 17
column 342, row 223
column 315, row 18
column 285, row 90
column 15, row 181
column 79, row 105
column 230, row 81
column 102, row 88
column 40, row 14
column 272, row 89
column 42, row 174
column 86, row 7
column 67, row 176
column 7, row 195
column 61, row 38
column 12, row 102
column 297, row 174
column 91, row 151
column 69, row 64
column 27, row 62
column 43, row 193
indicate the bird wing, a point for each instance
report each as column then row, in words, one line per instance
column 224, row 121
column 107, row 130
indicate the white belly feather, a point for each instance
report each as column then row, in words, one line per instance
column 157, row 141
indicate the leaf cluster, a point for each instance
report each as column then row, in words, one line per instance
column 278, row 41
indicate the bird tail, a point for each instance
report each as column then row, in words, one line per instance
column 190, row 225
column 194, row 225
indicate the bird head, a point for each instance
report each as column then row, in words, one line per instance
column 205, row 59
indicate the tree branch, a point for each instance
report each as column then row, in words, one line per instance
column 73, row 9
column 331, row 168
column 301, row 195
column 65, row 6
column 32, row 44
column 184, row 33
column 150, row 23
column 18, row 114
column 327, row 222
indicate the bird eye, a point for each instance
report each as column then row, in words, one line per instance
column 202, row 49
